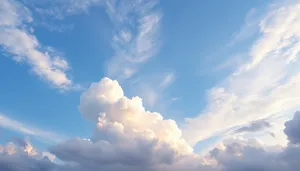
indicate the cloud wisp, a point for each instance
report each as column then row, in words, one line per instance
column 135, row 38
column 265, row 85
column 17, row 39
column 39, row 134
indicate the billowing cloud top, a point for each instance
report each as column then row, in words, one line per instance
column 119, row 117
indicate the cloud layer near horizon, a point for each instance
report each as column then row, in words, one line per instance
column 127, row 137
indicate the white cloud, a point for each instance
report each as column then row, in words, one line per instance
column 127, row 137
column 248, row 29
column 265, row 85
column 153, row 88
column 40, row 134
column 105, row 103
column 136, row 35
column 57, row 9
column 17, row 40
column 168, row 79
column 149, row 94
column 175, row 98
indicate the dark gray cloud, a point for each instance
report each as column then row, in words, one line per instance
column 256, row 158
column 254, row 126
column 24, row 163
column 134, row 154
column 292, row 129
column 252, row 155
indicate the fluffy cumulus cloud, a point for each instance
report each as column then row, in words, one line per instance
column 128, row 137
column 119, row 117
column 19, row 42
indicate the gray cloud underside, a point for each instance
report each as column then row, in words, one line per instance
column 235, row 155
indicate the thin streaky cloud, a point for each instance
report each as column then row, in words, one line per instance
column 175, row 98
column 264, row 85
column 136, row 35
column 249, row 28
column 168, row 79
column 39, row 134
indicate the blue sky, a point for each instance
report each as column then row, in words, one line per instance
column 199, row 60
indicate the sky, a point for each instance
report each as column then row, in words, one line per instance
column 152, row 84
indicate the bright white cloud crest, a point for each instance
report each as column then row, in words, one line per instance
column 105, row 103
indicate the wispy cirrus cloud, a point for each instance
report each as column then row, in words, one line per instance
column 167, row 80
column 265, row 85
column 58, row 9
column 248, row 29
column 17, row 39
column 153, row 89
column 39, row 134
column 135, row 38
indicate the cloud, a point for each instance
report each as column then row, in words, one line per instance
column 153, row 88
column 105, row 104
column 17, row 39
column 150, row 95
column 16, row 157
column 58, row 10
column 26, row 163
column 127, row 137
column 17, row 126
column 249, row 28
column 23, row 147
column 175, row 98
column 135, row 38
column 168, row 79
column 292, row 128
column 237, row 154
column 254, row 126
column 135, row 153
column 265, row 85
column 234, row 154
